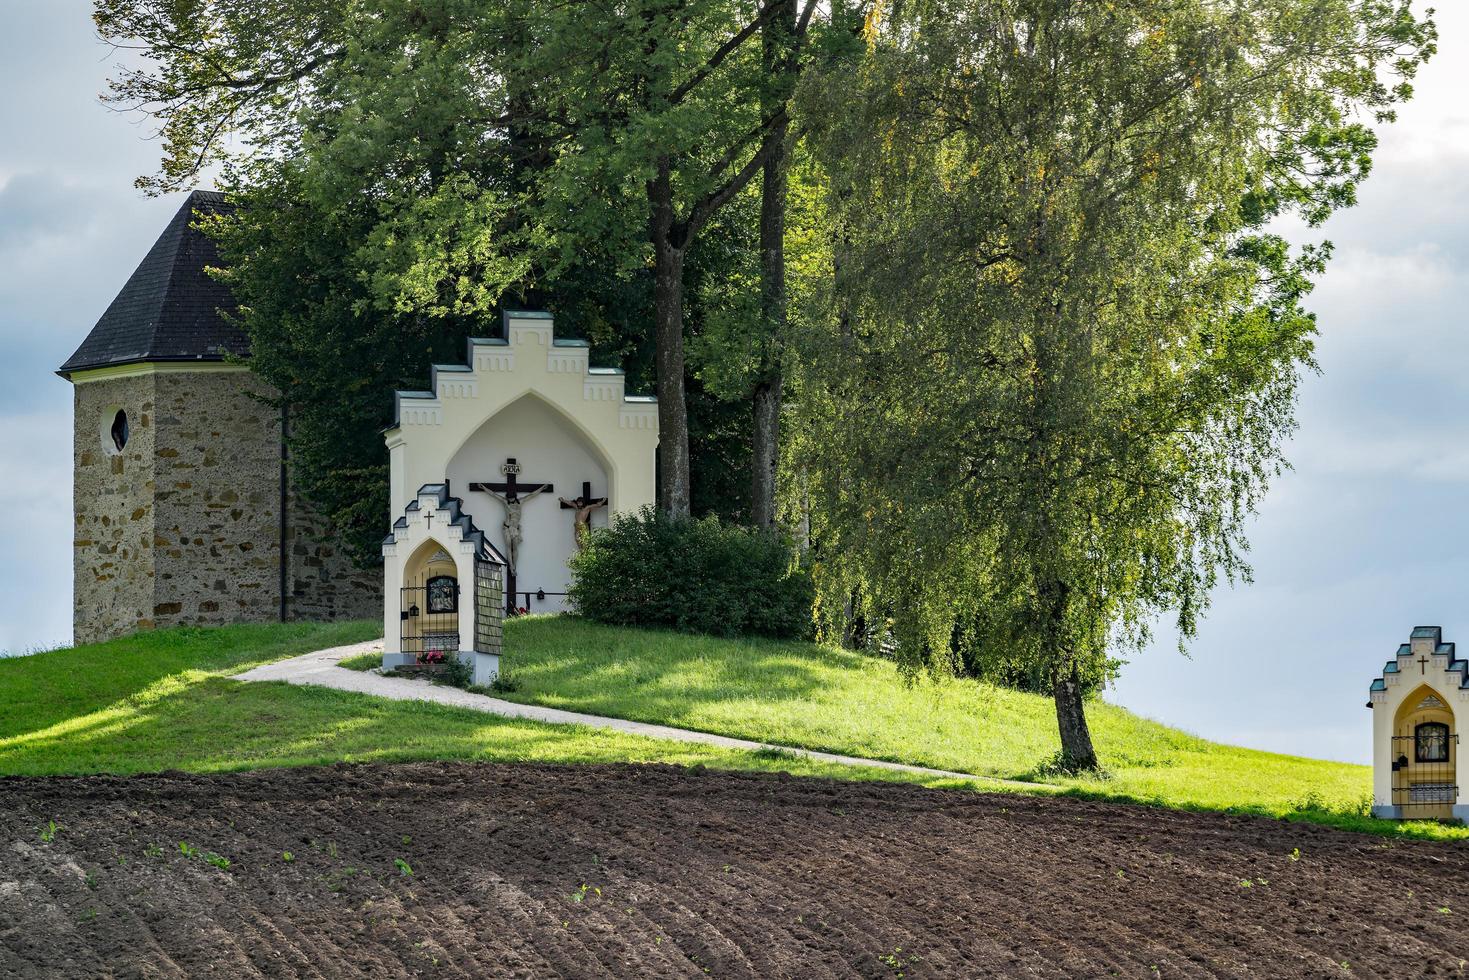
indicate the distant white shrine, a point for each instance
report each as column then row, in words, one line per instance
column 1417, row 769
column 497, row 470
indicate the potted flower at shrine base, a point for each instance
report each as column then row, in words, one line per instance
column 433, row 659
column 441, row 667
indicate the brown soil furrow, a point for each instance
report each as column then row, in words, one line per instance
column 274, row 953
column 864, row 866
column 38, row 934
column 840, row 884
column 742, row 875
column 1191, row 907
column 731, row 881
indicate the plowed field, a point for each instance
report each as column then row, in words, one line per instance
column 532, row 871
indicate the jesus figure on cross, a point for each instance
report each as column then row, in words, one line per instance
column 513, row 495
column 511, row 524
column 583, row 505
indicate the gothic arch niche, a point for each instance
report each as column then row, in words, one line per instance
column 1425, row 755
column 550, row 448
column 430, row 601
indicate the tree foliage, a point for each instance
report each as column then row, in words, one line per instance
column 1062, row 349
column 497, row 150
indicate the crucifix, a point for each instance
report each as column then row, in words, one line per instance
column 510, row 494
column 583, row 505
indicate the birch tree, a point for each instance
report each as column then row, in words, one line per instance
column 1063, row 350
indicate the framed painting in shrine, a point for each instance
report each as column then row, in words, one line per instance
column 443, row 594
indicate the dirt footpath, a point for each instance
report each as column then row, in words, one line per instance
column 536, row 871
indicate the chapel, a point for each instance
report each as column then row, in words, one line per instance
column 1417, row 770
column 184, row 506
column 498, row 471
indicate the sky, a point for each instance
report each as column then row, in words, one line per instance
column 1363, row 540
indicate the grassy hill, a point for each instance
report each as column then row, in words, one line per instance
column 164, row 701
column 158, row 701
column 821, row 697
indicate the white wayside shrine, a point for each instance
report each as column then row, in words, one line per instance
column 1418, row 772
column 497, row 471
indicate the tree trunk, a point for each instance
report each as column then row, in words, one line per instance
column 776, row 41
column 673, row 419
column 765, row 449
column 854, row 627
column 1076, row 738
column 770, row 386
column 1077, row 753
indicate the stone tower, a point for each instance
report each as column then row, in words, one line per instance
column 184, row 510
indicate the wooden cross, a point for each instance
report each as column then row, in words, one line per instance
column 585, row 500
column 1422, row 665
column 583, row 505
column 510, row 488
column 510, row 492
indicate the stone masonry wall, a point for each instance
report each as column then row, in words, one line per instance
column 112, row 543
column 216, row 530
column 195, row 502
column 322, row 581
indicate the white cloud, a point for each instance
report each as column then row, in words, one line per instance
column 35, row 548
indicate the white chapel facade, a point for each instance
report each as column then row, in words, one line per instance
column 505, row 461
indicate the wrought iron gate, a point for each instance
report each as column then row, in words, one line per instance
column 1423, row 765
column 430, row 621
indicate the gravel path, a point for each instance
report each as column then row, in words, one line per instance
column 321, row 669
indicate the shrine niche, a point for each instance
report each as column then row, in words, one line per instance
column 444, row 581
column 1418, row 772
column 534, row 447
column 430, row 604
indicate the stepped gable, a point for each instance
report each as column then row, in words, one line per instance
column 487, row 359
column 436, row 495
column 1443, row 656
column 169, row 309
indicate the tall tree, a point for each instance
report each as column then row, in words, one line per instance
column 1068, row 352
column 627, row 131
column 781, row 70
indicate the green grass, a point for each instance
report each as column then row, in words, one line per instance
column 164, row 700
column 819, row 697
column 363, row 661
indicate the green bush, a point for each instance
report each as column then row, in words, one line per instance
column 455, row 672
column 698, row 576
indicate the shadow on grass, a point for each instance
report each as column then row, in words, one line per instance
column 49, row 689
column 215, row 724
column 650, row 674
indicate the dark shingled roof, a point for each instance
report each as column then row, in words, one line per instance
column 169, row 308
